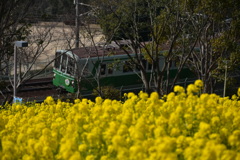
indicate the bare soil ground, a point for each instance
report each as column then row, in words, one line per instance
column 63, row 37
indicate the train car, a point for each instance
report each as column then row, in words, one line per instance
column 108, row 65
column 87, row 66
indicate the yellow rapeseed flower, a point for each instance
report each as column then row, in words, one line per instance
column 192, row 89
column 238, row 92
column 199, row 83
column 178, row 125
column 179, row 89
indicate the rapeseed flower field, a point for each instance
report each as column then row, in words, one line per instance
column 183, row 125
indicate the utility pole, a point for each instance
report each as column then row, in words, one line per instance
column 16, row 45
column 225, row 78
column 77, row 3
column 77, row 24
column 15, row 72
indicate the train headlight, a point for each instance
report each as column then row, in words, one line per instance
column 67, row 82
column 72, row 83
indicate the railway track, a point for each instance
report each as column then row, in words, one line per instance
column 37, row 84
column 34, row 84
column 33, row 90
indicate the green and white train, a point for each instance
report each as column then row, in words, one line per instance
column 108, row 66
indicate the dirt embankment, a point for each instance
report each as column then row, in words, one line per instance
column 61, row 36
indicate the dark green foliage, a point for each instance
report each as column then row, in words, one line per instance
column 117, row 17
column 107, row 92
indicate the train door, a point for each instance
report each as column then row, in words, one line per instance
column 70, row 66
column 63, row 65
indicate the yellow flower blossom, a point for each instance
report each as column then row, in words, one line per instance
column 179, row 89
column 192, row 89
column 238, row 92
column 178, row 125
column 198, row 83
column 49, row 100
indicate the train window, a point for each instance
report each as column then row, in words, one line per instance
column 149, row 66
column 64, row 63
column 138, row 67
column 57, row 60
column 110, row 70
column 84, row 68
column 70, row 67
column 86, row 71
column 174, row 64
column 103, row 69
column 144, row 62
column 127, row 67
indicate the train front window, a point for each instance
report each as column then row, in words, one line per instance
column 64, row 63
column 144, row 63
column 149, row 66
column 57, row 60
column 70, row 67
column 103, row 69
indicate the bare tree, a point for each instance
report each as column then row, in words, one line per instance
column 12, row 27
column 28, row 58
column 90, row 39
column 218, row 40
column 156, row 31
